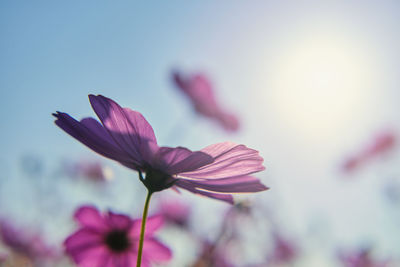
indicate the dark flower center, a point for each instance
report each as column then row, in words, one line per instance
column 157, row 180
column 117, row 240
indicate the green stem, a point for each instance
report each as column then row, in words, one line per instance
column 146, row 208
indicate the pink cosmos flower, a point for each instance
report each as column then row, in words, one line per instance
column 26, row 243
column 382, row 143
column 93, row 171
column 111, row 240
column 174, row 211
column 3, row 258
column 212, row 256
column 200, row 92
column 361, row 258
column 284, row 251
column 216, row 171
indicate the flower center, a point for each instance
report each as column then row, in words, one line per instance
column 117, row 240
column 157, row 180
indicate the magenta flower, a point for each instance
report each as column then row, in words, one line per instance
column 381, row 144
column 93, row 171
column 174, row 211
column 361, row 258
column 25, row 242
column 284, row 251
column 216, row 171
column 112, row 240
column 3, row 258
column 212, row 256
column 200, row 92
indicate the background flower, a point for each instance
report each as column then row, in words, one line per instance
column 198, row 88
column 113, row 239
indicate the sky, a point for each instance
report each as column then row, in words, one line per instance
column 311, row 81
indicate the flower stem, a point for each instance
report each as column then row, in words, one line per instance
column 146, row 208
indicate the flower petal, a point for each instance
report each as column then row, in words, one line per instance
column 82, row 239
column 243, row 184
column 89, row 216
column 118, row 221
column 156, row 251
column 153, row 223
column 187, row 185
column 128, row 128
column 180, row 159
column 229, row 121
column 94, row 257
column 119, row 260
column 132, row 258
column 84, row 246
column 230, row 160
column 92, row 134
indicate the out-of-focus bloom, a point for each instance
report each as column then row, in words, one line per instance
column 3, row 258
column 200, row 92
column 216, row 171
column 18, row 260
column 93, row 171
column 361, row 258
column 112, row 240
column 26, row 243
column 381, row 144
column 174, row 211
column 284, row 251
column 212, row 256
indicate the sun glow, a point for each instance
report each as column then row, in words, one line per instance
column 321, row 82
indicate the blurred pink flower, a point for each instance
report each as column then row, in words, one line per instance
column 381, row 144
column 212, row 256
column 361, row 258
column 216, row 171
column 90, row 170
column 3, row 258
column 112, row 240
column 175, row 211
column 200, row 92
column 284, row 251
column 25, row 242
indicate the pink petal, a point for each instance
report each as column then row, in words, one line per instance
column 243, row 184
column 179, row 159
column 156, row 251
column 153, row 223
column 118, row 221
column 87, row 256
column 187, row 185
column 89, row 216
column 229, row 121
column 145, row 262
column 128, row 128
column 179, row 80
column 107, row 260
column 119, row 260
column 92, row 134
column 132, row 258
column 83, row 239
column 201, row 90
column 230, row 160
